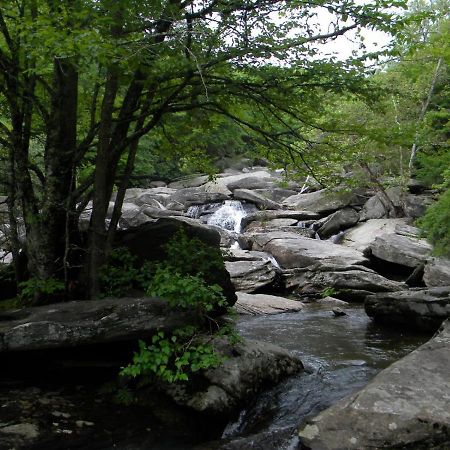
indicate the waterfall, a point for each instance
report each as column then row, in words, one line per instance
column 228, row 216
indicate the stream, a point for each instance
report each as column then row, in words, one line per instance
column 340, row 355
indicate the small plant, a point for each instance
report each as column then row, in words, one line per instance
column 35, row 287
column 172, row 357
column 185, row 290
column 328, row 292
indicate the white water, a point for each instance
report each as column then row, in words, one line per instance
column 228, row 216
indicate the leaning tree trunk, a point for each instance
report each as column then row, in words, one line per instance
column 423, row 110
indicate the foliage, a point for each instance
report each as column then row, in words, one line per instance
column 185, row 290
column 173, row 357
column 329, row 291
column 436, row 224
column 33, row 287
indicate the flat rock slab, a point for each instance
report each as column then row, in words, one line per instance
column 256, row 304
column 266, row 216
column 403, row 250
column 419, row 309
column 292, row 250
column 364, row 234
column 88, row 322
column 343, row 279
column 406, row 405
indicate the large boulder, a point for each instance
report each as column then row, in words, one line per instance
column 437, row 272
column 148, row 240
column 207, row 193
column 364, row 234
column 256, row 304
column 292, row 250
column 352, row 283
column 276, row 194
column 77, row 323
column 249, row 367
column 321, row 201
column 402, row 250
column 336, row 222
column 417, row 309
column 406, row 406
column 251, row 275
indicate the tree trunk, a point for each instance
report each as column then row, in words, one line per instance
column 423, row 110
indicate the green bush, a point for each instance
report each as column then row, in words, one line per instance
column 436, row 224
column 35, row 287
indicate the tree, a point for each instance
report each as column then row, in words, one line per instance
column 82, row 81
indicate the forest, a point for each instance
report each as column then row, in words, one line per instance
column 176, row 175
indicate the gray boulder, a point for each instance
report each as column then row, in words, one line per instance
column 255, row 198
column 266, row 216
column 189, row 182
column 249, row 367
column 403, row 250
column 207, row 193
column 336, row 222
column 276, row 194
column 417, row 309
column 406, row 406
column 320, row 201
column 292, row 250
column 256, row 304
column 364, row 234
column 351, row 283
column 76, row 323
column 437, row 272
column 251, row 275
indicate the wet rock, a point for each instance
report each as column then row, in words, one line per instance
column 406, row 405
column 249, row 367
column 402, row 250
column 417, row 309
column 437, row 272
column 336, row 222
column 338, row 312
column 251, row 275
column 320, row 201
column 364, row 234
column 255, row 198
column 293, row 251
column 87, row 322
column 256, row 304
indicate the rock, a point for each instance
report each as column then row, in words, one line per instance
column 22, row 432
column 417, row 309
column 258, row 199
column 157, row 184
column 275, row 194
column 351, row 283
column 404, row 229
column 292, row 250
column 320, row 201
column 189, row 182
column 76, row 323
column 249, row 367
column 249, row 276
column 266, row 216
column 374, row 208
column 280, row 223
column 405, row 406
column 157, row 213
column 207, row 193
column 416, row 205
column 265, row 304
column 147, row 243
column 331, row 301
column 338, row 312
column 402, row 250
column 260, row 179
column 437, row 272
column 364, row 234
column 338, row 221
column 132, row 216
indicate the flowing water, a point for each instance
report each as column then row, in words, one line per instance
column 340, row 354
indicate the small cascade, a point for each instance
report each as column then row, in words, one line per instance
column 196, row 211
column 228, row 216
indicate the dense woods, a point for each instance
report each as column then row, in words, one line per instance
column 95, row 94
